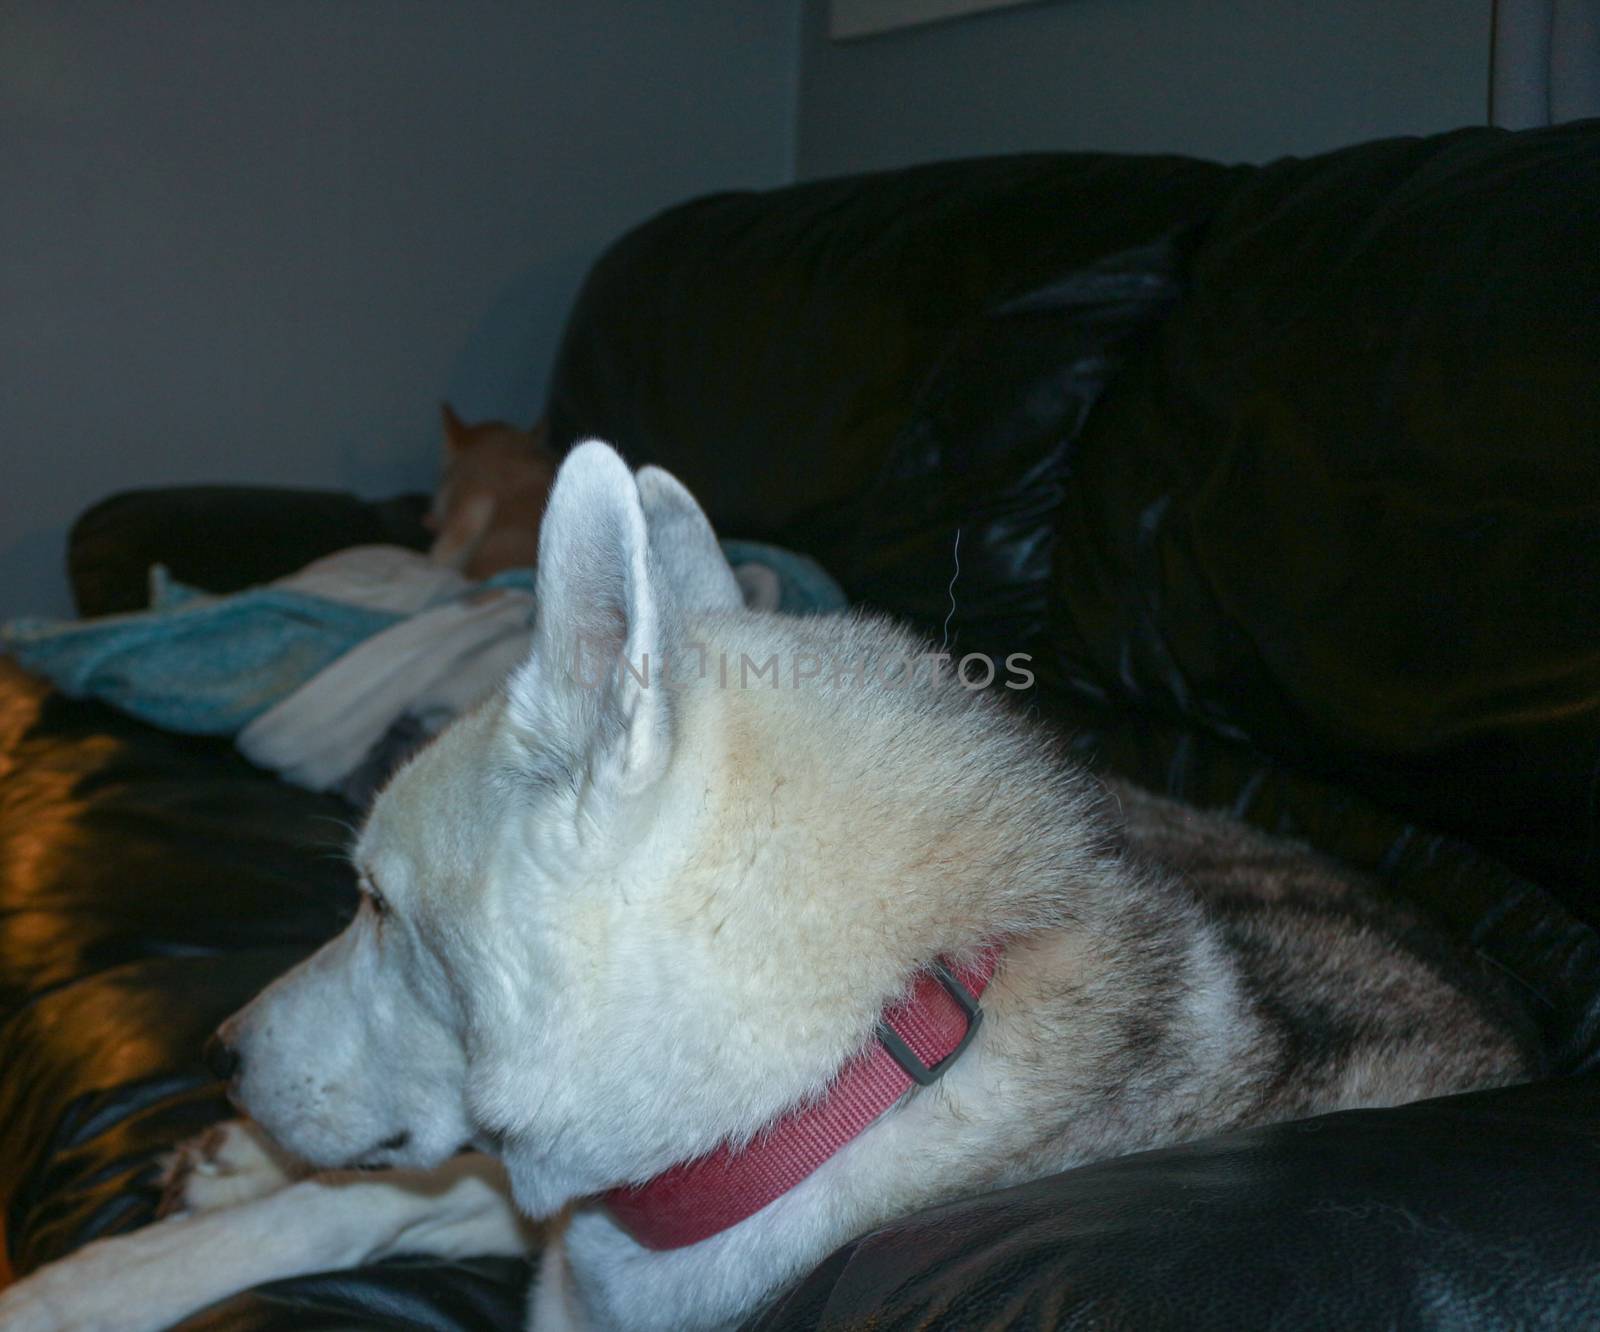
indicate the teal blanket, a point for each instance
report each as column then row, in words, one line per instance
column 209, row 665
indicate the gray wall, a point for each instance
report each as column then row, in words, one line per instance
column 257, row 242
column 1238, row 80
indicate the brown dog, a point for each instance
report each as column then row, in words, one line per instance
column 491, row 499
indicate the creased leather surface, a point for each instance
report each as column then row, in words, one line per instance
column 836, row 366
column 151, row 882
column 1348, row 506
column 862, row 367
column 1474, row 1211
column 974, row 476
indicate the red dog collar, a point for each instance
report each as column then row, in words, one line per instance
column 917, row 1040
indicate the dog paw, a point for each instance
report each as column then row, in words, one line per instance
column 232, row 1163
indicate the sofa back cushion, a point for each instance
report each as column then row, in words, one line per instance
column 864, row 367
column 1347, row 506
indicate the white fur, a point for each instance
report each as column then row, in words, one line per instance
column 154, row 1277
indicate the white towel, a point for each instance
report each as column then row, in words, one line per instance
column 431, row 667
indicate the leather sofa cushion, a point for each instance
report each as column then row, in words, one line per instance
column 1345, row 509
column 863, row 367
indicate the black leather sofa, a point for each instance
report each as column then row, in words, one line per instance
column 1288, row 478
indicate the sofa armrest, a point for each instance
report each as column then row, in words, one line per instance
column 222, row 538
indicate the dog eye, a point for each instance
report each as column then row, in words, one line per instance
column 380, row 903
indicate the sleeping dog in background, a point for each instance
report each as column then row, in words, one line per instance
column 711, row 974
column 492, row 493
column 486, row 513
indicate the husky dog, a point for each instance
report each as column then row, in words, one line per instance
column 622, row 926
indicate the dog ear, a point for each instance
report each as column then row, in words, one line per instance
column 455, row 430
column 683, row 546
column 593, row 680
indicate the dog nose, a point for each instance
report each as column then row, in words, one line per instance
column 221, row 1058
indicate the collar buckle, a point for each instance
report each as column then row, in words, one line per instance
column 925, row 1075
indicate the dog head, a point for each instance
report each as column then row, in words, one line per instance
column 491, row 496
column 610, row 921
column 513, row 877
